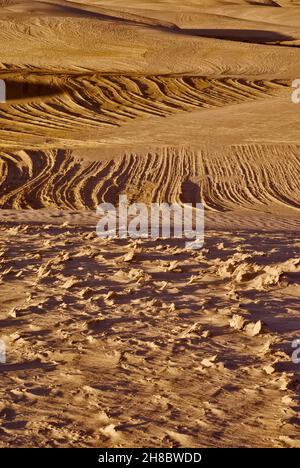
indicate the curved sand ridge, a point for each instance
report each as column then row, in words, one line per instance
column 250, row 177
column 92, row 111
column 55, row 110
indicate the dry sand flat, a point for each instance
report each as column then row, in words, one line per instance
column 121, row 343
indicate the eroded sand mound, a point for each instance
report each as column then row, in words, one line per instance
column 226, row 179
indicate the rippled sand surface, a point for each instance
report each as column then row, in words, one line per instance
column 138, row 343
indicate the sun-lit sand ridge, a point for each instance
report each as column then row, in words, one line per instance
column 160, row 101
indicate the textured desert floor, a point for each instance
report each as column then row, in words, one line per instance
column 144, row 343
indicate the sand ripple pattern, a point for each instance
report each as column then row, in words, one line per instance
column 62, row 106
column 224, row 179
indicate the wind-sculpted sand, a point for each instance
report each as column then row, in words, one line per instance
column 165, row 347
column 224, row 179
column 145, row 343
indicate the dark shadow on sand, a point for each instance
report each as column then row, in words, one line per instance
column 24, row 90
column 242, row 35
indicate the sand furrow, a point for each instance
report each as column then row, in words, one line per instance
column 226, row 179
column 86, row 104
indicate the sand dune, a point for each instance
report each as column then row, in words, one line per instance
column 89, row 108
column 99, row 41
column 226, row 179
column 138, row 343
